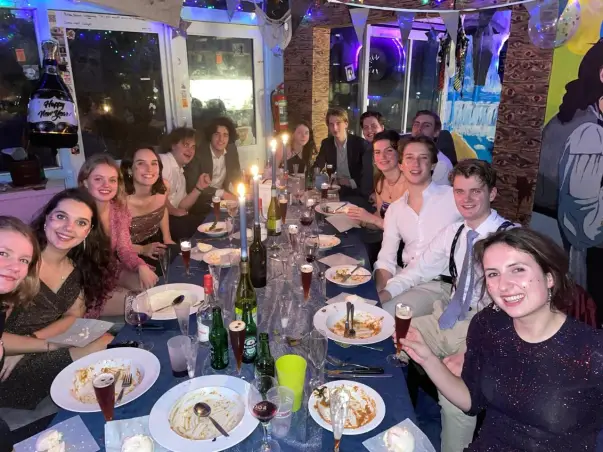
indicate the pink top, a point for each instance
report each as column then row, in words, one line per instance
column 121, row 243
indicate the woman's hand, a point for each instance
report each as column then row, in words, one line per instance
column 415, row 347
column 359, row 214
column 148, row 278
column 153, row 250
column 10, row 362
column 455, row 363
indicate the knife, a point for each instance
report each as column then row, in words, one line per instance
column 213, row 226
column 341, row 207
column 367, row 371
column 357, row 375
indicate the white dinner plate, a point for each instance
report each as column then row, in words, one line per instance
column 143, row 365
column 160, row 296
column 326, row 318
column 332, row 206
column 370, row 392
column 214, row 257
column 328, row 241
column 360, row 276
column 231, row 388
column 197, row 254
column 264, row 234
column 218, row 231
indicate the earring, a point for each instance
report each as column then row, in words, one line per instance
column 495, row 307
column 44, row 226
column 84, row 242
column 550, row 295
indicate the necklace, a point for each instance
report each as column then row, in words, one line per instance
column 396, row 181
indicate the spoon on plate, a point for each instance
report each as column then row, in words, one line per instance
column 202, row 409
column 179, row 299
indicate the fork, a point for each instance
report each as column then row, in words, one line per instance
column 352, row 331
column 346, row 277
column 125, row 383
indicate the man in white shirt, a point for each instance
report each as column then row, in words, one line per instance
column 416, row 218
column 428, row 124
column 445, row 330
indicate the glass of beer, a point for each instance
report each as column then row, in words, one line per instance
column 104, row 388
column 185, row 249
column 216, row 202
column 306, row 277
column 293, row 231
column 330, row 170
column 324, row 190
column 403, row 318
column 282, row 202
column 236, row 329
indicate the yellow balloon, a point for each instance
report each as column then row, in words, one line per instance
column 589, row 28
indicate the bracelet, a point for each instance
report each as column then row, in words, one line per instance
column 200, row 190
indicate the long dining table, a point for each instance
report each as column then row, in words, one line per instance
column 273, row 303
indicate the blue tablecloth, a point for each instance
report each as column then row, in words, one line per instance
column 310, row 437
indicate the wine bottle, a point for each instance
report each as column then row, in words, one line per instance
column 264, row 363
column 251, row 337
column 218, row 340
column 245, row 293
column 309, row 177
column 257, row 258
column 51, row 113
column 274, row 223
column 204, row 312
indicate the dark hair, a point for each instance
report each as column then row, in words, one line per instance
column 428, row 142
column 126, row 169
column 372, row 114
column 587, row 89
column 93, row 257
column 436, row 118
column 547, row 254
column 176, row 136
column 30, row 285
column 337, row 112
column 474, row 167
column 310, row 147
column 222, row 121
column 394, row 138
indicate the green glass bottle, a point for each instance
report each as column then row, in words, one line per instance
column 274, row 223
column 264, row 363
column 250, row 350
column 218, row 341
column 245, row 293
column 257, row 258
column 309, row 182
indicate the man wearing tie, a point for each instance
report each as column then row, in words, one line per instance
column 445, row 330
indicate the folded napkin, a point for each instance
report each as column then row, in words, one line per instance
column 338, row 259
column 342, row 222
column 343, row 297
column 406, row 434
column 82, row 332
column 72, row 432
column 117, row 431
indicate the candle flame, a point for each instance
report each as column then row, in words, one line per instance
column 273, row 145
column 285, row 139
column 241, row 190
column 254, row 170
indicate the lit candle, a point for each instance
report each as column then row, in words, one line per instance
column 273, row 149
column 285, row 140
column 241, row 191
column 256, row 194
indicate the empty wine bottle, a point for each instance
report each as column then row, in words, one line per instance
column 257, row 258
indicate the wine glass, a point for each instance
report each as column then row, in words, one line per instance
column 339, row 400
column 315, row 345
column 138, row 311
column 164, row 262
column 263, row 401
column 230, row 227
column 233, row 208
column 403, row 318
column 311, row 247
column 185, row 249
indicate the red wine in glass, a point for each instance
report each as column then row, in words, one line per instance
column 306, row 220
column 264, row 411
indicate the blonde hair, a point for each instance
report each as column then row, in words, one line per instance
column 29, row 287
column 338, row 113
column 103, row 159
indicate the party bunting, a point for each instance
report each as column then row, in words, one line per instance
column 166, row 11
column 405, row 21
column 451, row 20
column 275, row 33
column 359, row 17
column 298, row 9
column 231, row 8
column 181, row 30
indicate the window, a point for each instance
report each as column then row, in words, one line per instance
column 222, row 83
column 118, row 81
column 19, row 75
column 422, row 92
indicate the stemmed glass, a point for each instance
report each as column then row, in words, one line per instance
column 164, row 262
column 339, row 400
column 185, row 249
column 230, row 227
column 263, row 401
column 316, row 345
column 403, row 315
column 311, row 247
column 138, row 311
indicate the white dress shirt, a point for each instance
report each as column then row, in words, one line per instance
column 436, row 258
column 343, row 168
column 174, row 174
column 218, row 175
column 417, row 231
column 442, row 169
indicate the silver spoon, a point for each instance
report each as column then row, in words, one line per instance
column 179, row 299
column 204, row 410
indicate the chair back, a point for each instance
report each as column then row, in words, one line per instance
column 583, row 307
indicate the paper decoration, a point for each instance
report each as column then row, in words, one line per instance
column 231, row 7
column 405, row 21
column 298, row 9
column 451, row 20
column 275, row 33
column 165, row 11
column 181, row 30
column 359, row 17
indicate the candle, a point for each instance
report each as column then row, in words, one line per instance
column 273, row 149
column 285, row 140
column 256, row 194
column 242, row 214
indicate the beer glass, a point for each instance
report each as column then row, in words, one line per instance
column 104, row 389
column 216, row 202
column 282, row 202
column 185, row 249
column 236, row 330
column 324, row 190
column 403, row 316
column 306, row 277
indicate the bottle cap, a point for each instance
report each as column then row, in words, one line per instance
column 208, row 284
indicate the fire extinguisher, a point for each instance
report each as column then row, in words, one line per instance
column 279, row 109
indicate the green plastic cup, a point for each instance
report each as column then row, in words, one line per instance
column 291, row 373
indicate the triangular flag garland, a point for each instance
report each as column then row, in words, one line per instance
column 231, row 8
column 298, row 9
column 181, row 30
column 405, row 21
column 451, row 21
column 359, row 17
column 165, row 11
column 275, row 33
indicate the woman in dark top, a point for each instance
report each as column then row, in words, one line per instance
column 536, row 372
column 300, row 149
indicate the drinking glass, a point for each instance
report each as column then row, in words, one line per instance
column 216, row 202
column 339, row 400
column 104, row 389
column 230, row 227
column 236, row 330
column 403, row 318
column 263, row 401
column 191, row 351
column 293, row 235
column 185, row 249
column 233, row 208
column 296, row 168
column 306, row 277
column 311, row 247
column 177, row 351
column 137, row 311
column 316, row 344
column 283, row 203
column 164, row 262
column 183, row 312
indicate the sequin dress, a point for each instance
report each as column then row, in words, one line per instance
column 31, row 379
column 145, row 228
column 543, row 397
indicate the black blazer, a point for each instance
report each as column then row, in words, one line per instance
column 203, row 163
column 360, row 162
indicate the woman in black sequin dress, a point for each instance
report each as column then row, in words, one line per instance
column 536, row 372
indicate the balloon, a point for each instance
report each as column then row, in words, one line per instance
column 547, row 28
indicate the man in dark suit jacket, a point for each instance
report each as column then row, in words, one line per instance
column 218, row 157
column 350, row 156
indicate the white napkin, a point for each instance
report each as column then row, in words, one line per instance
column 342, row 222
column 421, row 442
column 82, row 333
column 76, row 437
column 343, row 297
column 338, row 259
column 117, row 431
